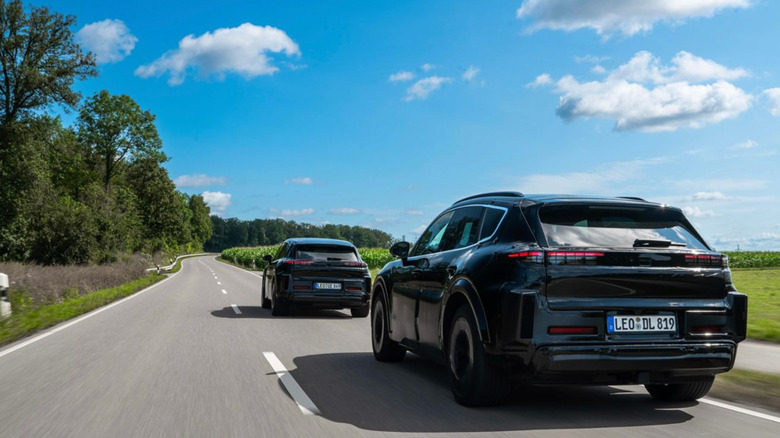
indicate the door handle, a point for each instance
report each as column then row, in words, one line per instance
column 416, row 273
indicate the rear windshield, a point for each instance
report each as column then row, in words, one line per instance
column 616, row 227
column 325, row 253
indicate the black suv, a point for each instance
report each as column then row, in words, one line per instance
column 319, row 273
column 507, row 287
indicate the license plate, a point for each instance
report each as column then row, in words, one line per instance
column 641, row 324
column 329, row 286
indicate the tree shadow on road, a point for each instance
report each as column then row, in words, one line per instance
column 257, row 312
column 414, row 396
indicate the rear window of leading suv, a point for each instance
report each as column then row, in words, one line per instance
column 616, row 227
column 325, row 253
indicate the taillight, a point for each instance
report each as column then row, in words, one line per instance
column 298, row 262
column 528, row 256
column 354, row 288
column 358, row 264
column 572, row 330
column 574, row 257
column 706, row 260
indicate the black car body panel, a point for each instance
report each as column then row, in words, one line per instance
column 293, row 275
column 529, row 295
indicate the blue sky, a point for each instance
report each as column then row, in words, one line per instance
column 382, row 113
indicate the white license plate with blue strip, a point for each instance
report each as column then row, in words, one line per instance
column 641, row 323
column 327, row 286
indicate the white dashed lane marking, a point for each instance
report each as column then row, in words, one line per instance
column 235, row 309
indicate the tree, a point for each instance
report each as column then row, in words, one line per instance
column 40, row 61
column 200, row 223
column 114, row 129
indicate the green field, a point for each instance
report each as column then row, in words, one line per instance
column 762, row 287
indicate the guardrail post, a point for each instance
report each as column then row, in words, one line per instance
column 5, row 306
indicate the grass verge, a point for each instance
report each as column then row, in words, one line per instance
column 762, row 287
column 24, row 324
column 749, row 387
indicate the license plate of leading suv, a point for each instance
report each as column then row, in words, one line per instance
column 641, row 323
column 327, row 286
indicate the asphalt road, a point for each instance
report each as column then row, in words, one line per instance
column 178, row 360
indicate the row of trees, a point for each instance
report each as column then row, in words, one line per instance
column 231, row 233
column 82, row 193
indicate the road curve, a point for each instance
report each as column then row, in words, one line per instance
column 190, row 357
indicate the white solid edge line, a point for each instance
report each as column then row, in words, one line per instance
column 79, row 319
column 235, row 309
column 740, row 410
column 301, row 399
column 224, row 291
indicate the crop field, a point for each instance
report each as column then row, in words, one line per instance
column 753, row 259
column 253, row 257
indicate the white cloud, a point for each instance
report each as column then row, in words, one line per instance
column 599, row 70
column 242, row 50
column 611, row 16
column 593, row 59
column 686, row 67
column 724, row 184
column 470, row 74
column 217, row 201
column 413, row 212
column 307, row 181
column 761, row 241
column 541, row 80
column 345, row 211
column 286, row 213
column 401, row 76
column 696, row 212
column 110, row 40
column 707, row 196
column 419, row 230
column 606, row 179
column 427, row 67
column 774, row 98
column 747, row 144
column 675, row 101
column 200, row 180
column 424, row 87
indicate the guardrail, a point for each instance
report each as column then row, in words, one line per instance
column 159, row 268
column 5, row 306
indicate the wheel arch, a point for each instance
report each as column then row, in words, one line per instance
column 463, row 292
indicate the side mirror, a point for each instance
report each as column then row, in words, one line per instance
column 267, row 258
column 400, row 250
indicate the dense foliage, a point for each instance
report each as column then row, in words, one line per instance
column 753, row 259
column 85, row 193
column 231, row 233
column 253, row 257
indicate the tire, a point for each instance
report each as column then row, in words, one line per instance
column 360, row 312
column 385, row 349
column 474, row 380
column 266, row 303
column 678, row 392
column 278, row 307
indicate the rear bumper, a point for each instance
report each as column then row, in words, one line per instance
column 673, row 359
column 326, row 300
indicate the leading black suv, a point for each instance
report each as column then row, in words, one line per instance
column 561, row 289
column 316, row 273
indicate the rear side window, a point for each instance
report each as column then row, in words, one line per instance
column 490, row 222
column 325, row 253
column 616, row 227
